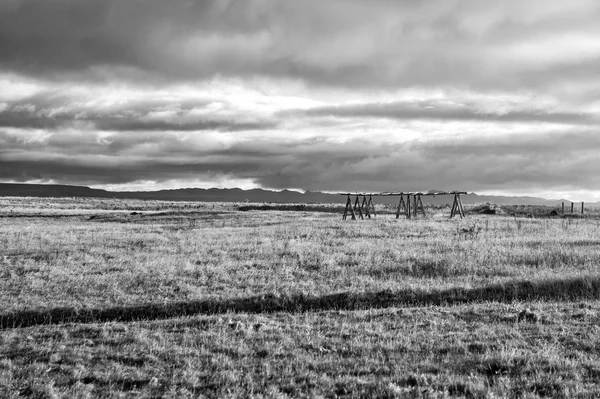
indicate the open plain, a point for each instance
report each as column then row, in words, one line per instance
column 120, row 298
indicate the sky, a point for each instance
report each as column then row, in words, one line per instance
column 494, row 97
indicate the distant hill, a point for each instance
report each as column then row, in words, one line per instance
column 239, row 195
column 183, row 194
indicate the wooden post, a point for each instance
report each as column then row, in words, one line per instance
column 401, row 206
column 349, row 209
column 408, row 210
column 563, row 208
column 421, row 207
column 457, row 207
column 460, row 204
column 372, row 204
column 357, row 208
column 582, row 207
column 415, row 206
column 453, row 210
column 572, row 203
column 364, row 207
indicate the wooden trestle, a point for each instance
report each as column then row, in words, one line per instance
column 410, row 207
column 457, row 207
column 367, row 207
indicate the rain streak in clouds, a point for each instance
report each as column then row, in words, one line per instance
column 499, row 97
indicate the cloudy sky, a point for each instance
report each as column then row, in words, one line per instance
column 337, row 95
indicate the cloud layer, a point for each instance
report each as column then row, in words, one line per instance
column 337, row 95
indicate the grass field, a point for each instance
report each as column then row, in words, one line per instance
column 121, row 298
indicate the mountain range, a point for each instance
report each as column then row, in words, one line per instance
column 254, row 195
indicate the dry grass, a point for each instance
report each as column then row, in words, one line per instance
column 109, row 297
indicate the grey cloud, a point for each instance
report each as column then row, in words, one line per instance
column 90, row 173
column 427, row 165
column 62, row 36
column 52, row 111
column 77, row 170
column 352, row 43
column 126, row 124
column 120, row 147
column 518, row 162
column 523, row 162
column 444, row 111
column 28, row 120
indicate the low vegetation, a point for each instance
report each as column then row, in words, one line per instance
column 105, row 298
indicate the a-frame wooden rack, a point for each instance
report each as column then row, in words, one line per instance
column 367, row 207
column 457, row 206
column 411, row 207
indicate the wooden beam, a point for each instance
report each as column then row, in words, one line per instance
column 395, row 194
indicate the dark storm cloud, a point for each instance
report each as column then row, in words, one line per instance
column 526, row 161
column 259, row 160
column 47, row 36
column 85, row 172
column 351, row 43
column 66, row 36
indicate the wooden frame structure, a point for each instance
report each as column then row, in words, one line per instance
column 410, row 208
column 367, row 207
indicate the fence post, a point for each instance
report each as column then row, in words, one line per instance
column 582, row 207
column 563, row 208
column 572, row 203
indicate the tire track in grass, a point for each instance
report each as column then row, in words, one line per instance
column 572, row 289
